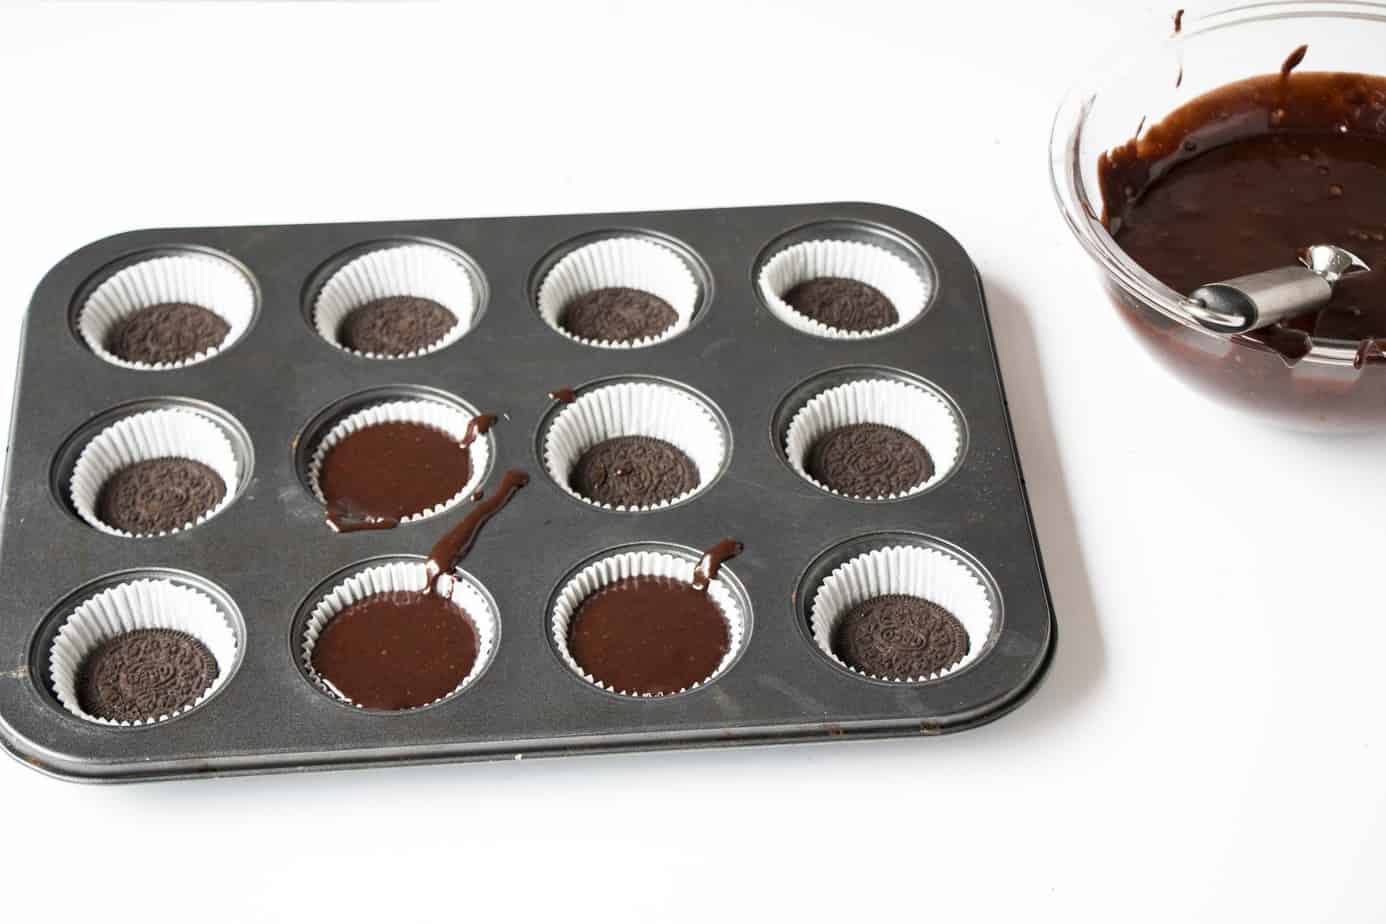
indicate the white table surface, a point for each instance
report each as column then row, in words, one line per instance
column 1210, row 743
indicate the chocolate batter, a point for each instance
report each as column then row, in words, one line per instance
column 654, row 635
column 381, row 474
column 1241, row 179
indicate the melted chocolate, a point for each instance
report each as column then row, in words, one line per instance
column 457, row 541
column 706, row 570
column 1178, row 21
column 397, row 650
column 563, row 395
column 1239, row 180
column 381, row 474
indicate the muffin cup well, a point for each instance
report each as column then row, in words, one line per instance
column 651, row 409
column 437, row 415
column 173, row 433
column 929, row 573
column 140, row 604
column 889, row 402
column 866, row 263
column 623, row 565
column 620, row 262
column 418, row 270
column 196, row 278
column 395, row 577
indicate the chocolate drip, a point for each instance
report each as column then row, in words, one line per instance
column 564, row 395
column 1178, row 21
column 479, row 425
column 706, row 571
column 1293, row 61
column 457, row 541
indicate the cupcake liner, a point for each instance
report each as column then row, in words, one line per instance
column 634, row 409
column 173, row 433
column 920, row 413
column 917, row 571
column 629, row 262
column 452, row 421
column 419, row 270
column 197, row 279
column 641, row 564
column 393, row 578
column 867, row 263
column 143, row 604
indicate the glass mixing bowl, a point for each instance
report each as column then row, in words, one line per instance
column 1139, row 83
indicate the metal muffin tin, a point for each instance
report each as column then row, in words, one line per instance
column 268, row 555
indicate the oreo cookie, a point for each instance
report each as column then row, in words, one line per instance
column 396, row 326
column 898, row 636
column 869, row 460
column 618, row 314
column 167, row 333
column 844, row 304
column 159, row 495
column 145, row 674
column 633, row 471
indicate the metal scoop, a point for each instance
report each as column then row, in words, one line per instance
column 1251, row 302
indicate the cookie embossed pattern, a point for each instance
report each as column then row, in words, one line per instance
column 770, row 493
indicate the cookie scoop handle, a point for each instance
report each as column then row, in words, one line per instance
column 1249, row 303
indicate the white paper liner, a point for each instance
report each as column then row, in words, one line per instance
column 626, row 262
column 634, row 409
column 641, row 564
column 920, row 413
column 867, row 263
column 165, row 433
column 143, row 604
column 391, row 578
column 452, row 421
column 418, row 270
column 197, row 279
column 917, row 571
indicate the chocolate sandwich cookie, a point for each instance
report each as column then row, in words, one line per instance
column 145, row 674
column 397, row 650
column 869, row 460
column 844, row 304
column 633, row 471
column 159, row 495
column 649, row 635
column 396, row 325
column 617, row 314
column 167, row 333
column 898, row 636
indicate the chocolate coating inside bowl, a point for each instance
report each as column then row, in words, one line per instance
column 396, row 326
column 649, row 635
column 898, row 637
column 1239, row 180
column 618, row 314
column 388, row 471
column 397, row 650
column 145, row 674
column 869, row 460
column 167, row 333
column 844, row 304
column 633, row 471
column 158, row 495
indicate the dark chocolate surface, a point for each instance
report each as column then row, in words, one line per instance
column 633, row 471
column 617, row 314
column 396, row 325
column 145, row 674
column 844, row 304
column 869, row 460
column 167, row 333
column 1241, row 179
column 158, row 495
column 397, row 650
column 649, row 635
column 897, row 637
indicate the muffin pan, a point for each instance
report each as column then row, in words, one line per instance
column 266, row 559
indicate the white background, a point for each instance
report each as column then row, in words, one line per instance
column 1210, row 744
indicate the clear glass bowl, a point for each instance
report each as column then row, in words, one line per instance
column 1140, row 82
